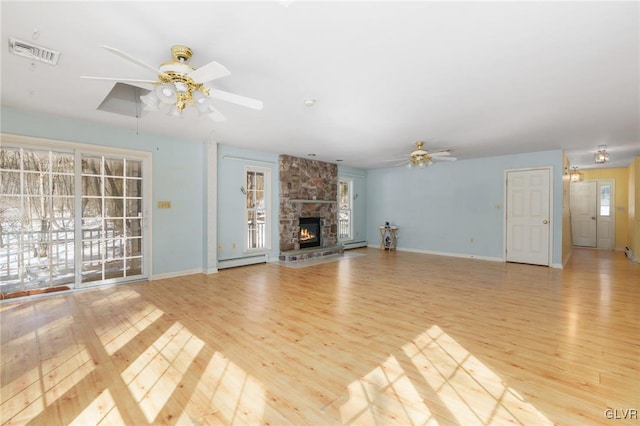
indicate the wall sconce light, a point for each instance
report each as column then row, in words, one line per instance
column 575, row 175
column 602, row 156
column 244, row 191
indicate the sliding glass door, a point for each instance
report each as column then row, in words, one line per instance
column 70, row 219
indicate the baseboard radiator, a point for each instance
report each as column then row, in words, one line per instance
column 242, row 261
column 355, row 244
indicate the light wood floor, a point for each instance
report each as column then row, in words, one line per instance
column 385, row 338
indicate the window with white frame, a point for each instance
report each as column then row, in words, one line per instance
column 257, row 208
column 345, row 209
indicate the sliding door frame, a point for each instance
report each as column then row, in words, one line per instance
column 80, row 149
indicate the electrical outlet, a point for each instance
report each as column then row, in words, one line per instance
column 472, row 240
column 233, row 246
column 164, row 204
column 219, row 246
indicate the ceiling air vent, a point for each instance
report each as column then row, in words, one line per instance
column 33, row 51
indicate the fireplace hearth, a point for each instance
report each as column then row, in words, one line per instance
column 310, row 232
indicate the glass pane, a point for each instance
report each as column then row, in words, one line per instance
column 91, row 207
column 113, row 187
column 10, row 158
column 260, row 181
column 134, row 227
column 134, row 207
column 134, row 247
column 35, row 160
column 91, row 250
column 134, row 188
column 62, row 185
column 92, row 228
column 38, row 206
column 91, row 165
column 91, row 271
column 113, row 167
column 260, row 199
column 134, row 168
column 62, row 162
column 344, row 192
column 134, row 267
column 251, row 180
column 36, row 183
column 605, row 200
column 114, row 227
column 63, row 211
column 251, row 202
column 114, row 248
column 114, row 269
column 91, row 186
column 9, row 183
column 114, row 207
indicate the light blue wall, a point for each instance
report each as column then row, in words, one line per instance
column 359, row 178
column 231, row 201
column 441, row 208
column 177, row 177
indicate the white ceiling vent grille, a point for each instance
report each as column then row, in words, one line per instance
column 33, row 51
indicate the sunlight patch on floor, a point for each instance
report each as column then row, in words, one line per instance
column 233, row 395
column 27, row 396
column 472, row 393
column 102, row 410
column 385, row 395
column 156, row 373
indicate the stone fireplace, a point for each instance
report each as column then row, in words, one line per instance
column 308, row 189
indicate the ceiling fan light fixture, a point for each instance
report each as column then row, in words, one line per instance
column 151, row 102
column 166, row 94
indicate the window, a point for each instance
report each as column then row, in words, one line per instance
column 605, row 200
column 345, row 212
column 257, row 210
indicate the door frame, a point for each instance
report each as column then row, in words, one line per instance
column 551, row 211
column 147, row 190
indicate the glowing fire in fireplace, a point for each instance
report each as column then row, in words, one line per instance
column 305, row 235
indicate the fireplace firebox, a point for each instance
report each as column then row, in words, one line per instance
column 309, row 232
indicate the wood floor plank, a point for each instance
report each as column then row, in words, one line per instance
column 383, row 338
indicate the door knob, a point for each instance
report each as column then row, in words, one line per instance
column 545, row 221
column 593, row 218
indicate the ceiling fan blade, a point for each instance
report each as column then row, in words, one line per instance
column 211, row 71
column 130, row 80
column 131, row 59
column 216, row 116
column 235, row 99
column 440, row 154
column 443, row 158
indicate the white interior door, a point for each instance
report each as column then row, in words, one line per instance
column 528, row 216
column 583, row 204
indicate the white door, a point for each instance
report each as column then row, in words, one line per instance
column 583, row 204
column 528, row 216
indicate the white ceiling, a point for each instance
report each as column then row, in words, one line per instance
column 482, row 79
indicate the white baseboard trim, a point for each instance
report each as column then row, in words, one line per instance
column 243, row 261
column 354, row 244
column 441, row 253
column 210, row 271
column 175, row 274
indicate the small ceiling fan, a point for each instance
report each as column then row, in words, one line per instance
column 421, row 158
column 178, row 84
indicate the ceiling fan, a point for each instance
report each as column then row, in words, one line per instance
column 420, row 157
column 179, row 84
